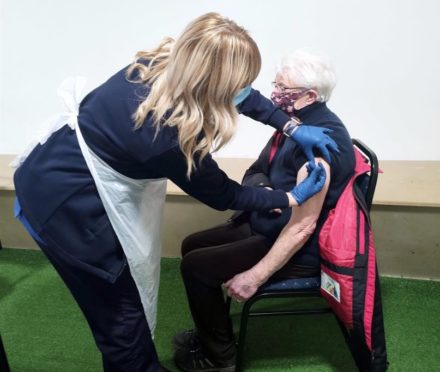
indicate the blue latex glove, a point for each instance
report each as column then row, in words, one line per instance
column 308, row 136
column 311, row 185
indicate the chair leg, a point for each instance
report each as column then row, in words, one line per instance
column 242, row 335
column 4, row 366
column 228, row 304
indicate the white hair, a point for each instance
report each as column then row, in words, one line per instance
column 309, row 71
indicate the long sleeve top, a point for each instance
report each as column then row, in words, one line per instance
column 281, row 173
column 58, row 195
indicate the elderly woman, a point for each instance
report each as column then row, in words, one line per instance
column 255, row 246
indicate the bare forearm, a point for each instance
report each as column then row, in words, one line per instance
column 291, row 239
column 294, row 235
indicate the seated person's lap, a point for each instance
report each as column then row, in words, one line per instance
column 217, row 254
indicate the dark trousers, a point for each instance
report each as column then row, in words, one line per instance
column 115, row 315
column 210, row 258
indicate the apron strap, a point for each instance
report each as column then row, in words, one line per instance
column 71, row 92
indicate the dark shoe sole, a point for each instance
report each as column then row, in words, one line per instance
column 208, row 369
column 213, row 369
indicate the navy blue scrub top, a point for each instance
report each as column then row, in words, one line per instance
column 58, row 196
column 18, row 214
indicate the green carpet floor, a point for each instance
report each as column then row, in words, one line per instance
column 44, row 331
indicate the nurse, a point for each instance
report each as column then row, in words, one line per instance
column 91, row 194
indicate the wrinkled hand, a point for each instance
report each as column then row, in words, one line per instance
column 311, row 185
column 242, row 286
column 308, row 137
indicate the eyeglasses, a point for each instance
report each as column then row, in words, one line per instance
column 284, row 89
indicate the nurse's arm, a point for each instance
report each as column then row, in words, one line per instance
column 210, row 185
column 258, row 107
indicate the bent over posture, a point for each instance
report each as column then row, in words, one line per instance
column 256, row 246
column 92, row 194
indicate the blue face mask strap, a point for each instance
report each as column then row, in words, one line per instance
column 242, row 95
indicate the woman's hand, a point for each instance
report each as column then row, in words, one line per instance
column 242, row 286
column 311, row 185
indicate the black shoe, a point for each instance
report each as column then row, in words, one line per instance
column 186, row 340
column 197, row 361
column 163, row 369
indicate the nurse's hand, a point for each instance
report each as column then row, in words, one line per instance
column 310, row 186
column 308, row 137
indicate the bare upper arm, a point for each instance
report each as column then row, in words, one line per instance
column 308, row 212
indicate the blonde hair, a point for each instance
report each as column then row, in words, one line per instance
column 193, row 82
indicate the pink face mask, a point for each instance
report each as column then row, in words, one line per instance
column 285, row 101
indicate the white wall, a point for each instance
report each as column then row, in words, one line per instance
column 386, row 53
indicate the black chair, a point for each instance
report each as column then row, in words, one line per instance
column 4, row 366
column 301, row 287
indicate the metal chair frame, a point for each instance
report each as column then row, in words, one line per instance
column 4, row 365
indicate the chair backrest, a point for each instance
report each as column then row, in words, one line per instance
column 372, row 179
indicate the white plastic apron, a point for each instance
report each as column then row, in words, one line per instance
column 134, row 207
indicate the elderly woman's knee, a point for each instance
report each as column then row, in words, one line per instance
column 188, row 244
column 187, row 265
column 194, row 266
